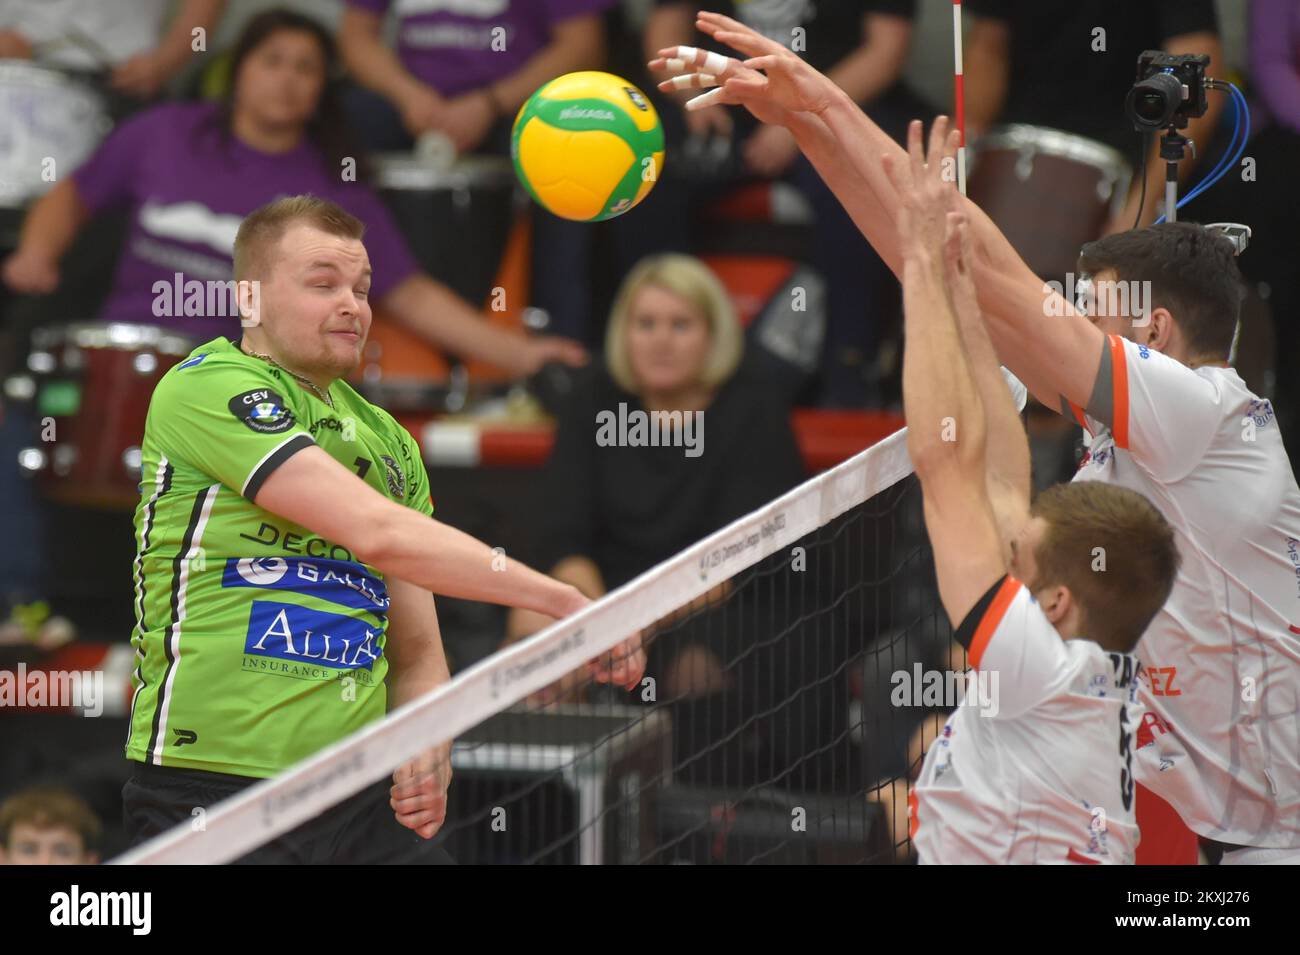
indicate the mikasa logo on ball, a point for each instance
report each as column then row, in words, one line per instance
column 580, row 112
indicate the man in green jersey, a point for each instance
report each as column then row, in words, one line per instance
column 286, row 555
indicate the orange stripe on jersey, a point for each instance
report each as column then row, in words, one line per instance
column 912, row 819
column 1119, row 395
column 992, row 617
column 1078, row 414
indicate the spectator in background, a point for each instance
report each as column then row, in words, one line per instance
column 48, row 826
column 190, row 172
column 464, row 72
column 125, row 37
column 674, row 344
column 863, row 46
column 1046, row 65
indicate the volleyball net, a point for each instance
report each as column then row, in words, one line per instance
column 769, row 726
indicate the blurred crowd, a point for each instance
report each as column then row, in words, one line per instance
column 137, row 134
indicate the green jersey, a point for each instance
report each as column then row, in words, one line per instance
column 257, row 642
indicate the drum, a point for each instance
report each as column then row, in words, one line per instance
column 1049, row 191
column 456, row 218
column 461, row 222
column 91, row 384
column 49, row 115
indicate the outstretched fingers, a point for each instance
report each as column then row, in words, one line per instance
column 735, row 34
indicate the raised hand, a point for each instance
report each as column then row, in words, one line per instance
column 789, row 87
column 925, row 183
column 958, row 259
column 794, row 84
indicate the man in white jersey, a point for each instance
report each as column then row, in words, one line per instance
column 1221, row 740
column 1044, row 774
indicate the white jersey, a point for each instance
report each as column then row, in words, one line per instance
column 1045, row 775
column 1220, row 740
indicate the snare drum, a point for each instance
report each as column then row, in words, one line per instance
column 91, row 383
column 1049, row 191
column 48, row 115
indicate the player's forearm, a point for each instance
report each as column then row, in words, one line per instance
column 577, row 570
column 579, row 44
column 446, row 561
column 1006, row 446
column 440, row 316
column 857, row 139
column 850, row 155
column 945, row 418
column 409, row 679
column 845, row 147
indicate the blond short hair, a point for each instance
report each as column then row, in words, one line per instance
column 265, row 226
column 692, row 280
column 1120, row 598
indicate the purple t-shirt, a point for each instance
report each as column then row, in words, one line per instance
column 456, row 47
column 188, row 188
column 1275, row 58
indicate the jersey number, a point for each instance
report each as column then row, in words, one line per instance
column 362, row 467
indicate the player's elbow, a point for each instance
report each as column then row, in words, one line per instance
column 931, row 458
column 954, row 448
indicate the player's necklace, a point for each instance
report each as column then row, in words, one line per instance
column 307, row 382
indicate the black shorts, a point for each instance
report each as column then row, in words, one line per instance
column 360, row 830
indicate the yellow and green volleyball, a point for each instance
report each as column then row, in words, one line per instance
column 588, row 146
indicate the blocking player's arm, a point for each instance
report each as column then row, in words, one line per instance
column 1006, row 445
column 945, row 416
column 1052, row 356
column 1037, row 334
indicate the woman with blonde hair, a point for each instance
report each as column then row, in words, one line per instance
column 673, row 436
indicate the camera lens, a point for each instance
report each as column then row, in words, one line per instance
column 1151, row 103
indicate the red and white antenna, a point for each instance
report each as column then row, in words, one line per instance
column 959, row 95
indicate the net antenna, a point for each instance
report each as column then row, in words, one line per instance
column 959, row 95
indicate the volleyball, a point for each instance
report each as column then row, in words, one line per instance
column 588, row 146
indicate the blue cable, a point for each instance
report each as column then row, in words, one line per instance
column 1241, row 110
